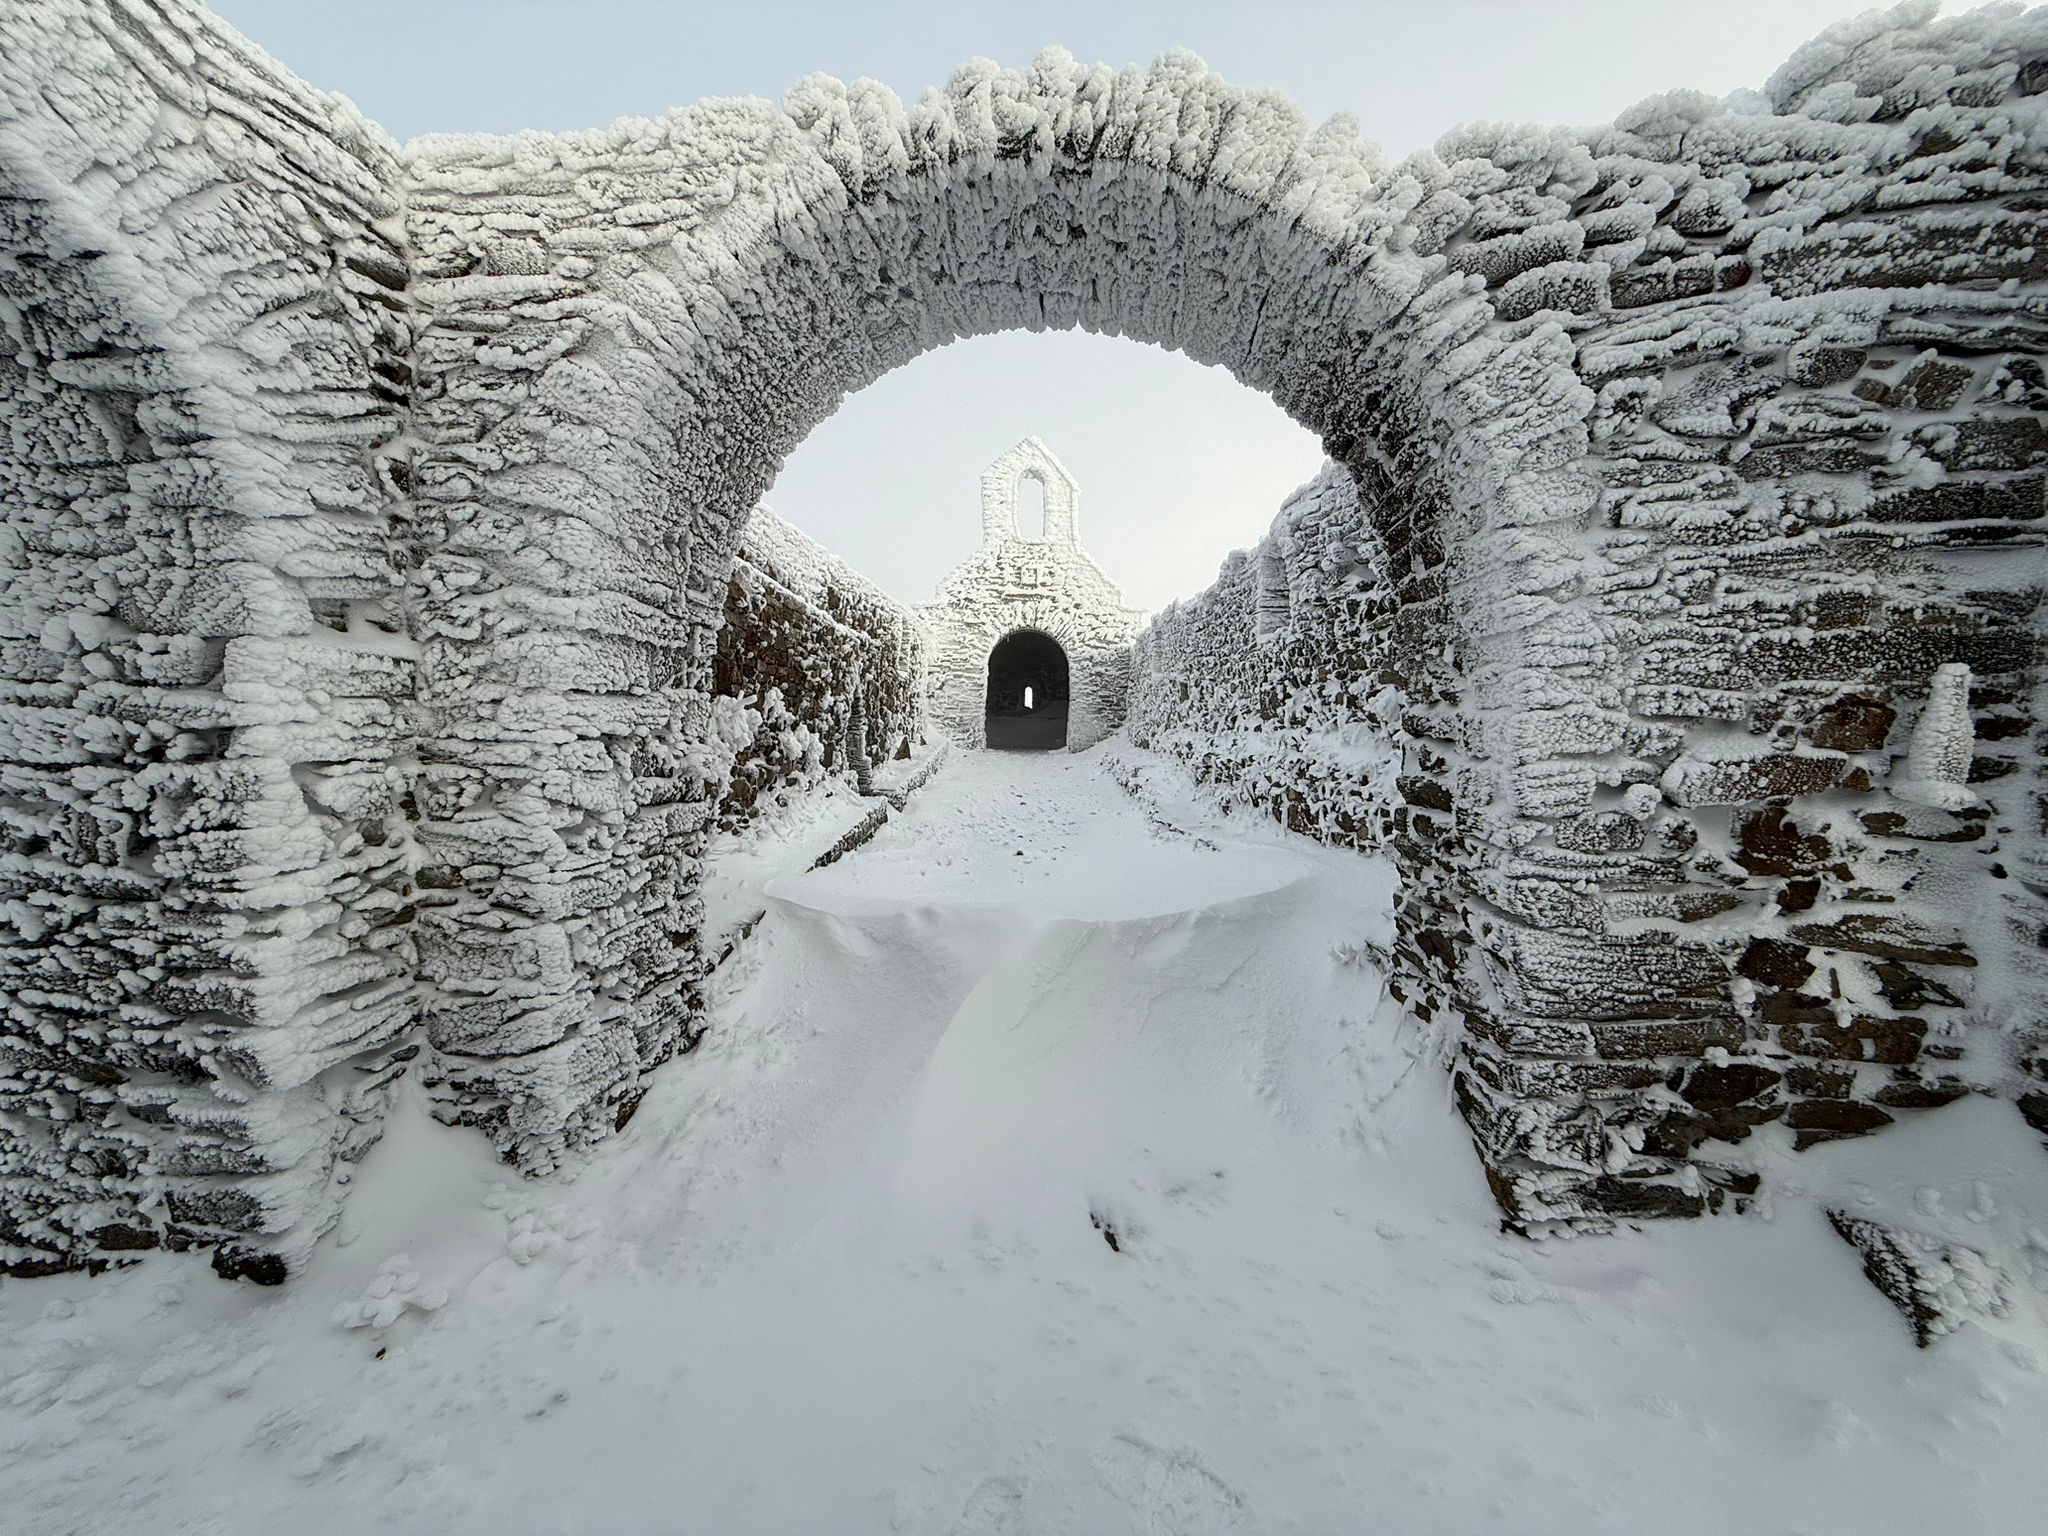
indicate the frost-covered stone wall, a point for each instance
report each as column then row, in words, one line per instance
column 1271, row 686
column 1818, row 493
column 1048, row 584
column 206, row 962
column 1679, row 864
column 372, row 515
column 818, row 671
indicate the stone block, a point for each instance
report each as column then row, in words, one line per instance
column 1853, row 723
column 1817, row 1120
column 1735, row 781
column 1938, row 1286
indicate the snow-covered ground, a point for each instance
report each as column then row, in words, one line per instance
column 850, row 1269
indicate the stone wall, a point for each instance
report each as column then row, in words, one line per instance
column 1271, row 686
column 1816, row 493
column 818, row 671
column 1048, row 584
column 206, row 886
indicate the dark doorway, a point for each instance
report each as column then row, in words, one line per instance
column 1027, row 692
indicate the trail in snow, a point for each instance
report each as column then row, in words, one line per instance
column 850, row 1268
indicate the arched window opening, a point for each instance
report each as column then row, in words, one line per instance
column 1028, row 517
column 1027, row 693
column 1275, row 607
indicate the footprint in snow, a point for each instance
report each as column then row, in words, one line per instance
column 995, row 1508
column 1172, row 1491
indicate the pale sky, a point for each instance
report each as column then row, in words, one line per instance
column 1178, row 463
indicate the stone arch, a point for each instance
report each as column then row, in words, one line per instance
column 1673, row 452
column 1479, row 335
column 844, row 237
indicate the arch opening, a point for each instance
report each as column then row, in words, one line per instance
column 1026, row 709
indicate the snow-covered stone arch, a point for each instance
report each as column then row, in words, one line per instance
column 1674, row 448
column 625, row 331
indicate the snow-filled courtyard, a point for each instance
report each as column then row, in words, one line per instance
column 1051, row 1164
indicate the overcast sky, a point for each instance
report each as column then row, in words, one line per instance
column 1178, row 463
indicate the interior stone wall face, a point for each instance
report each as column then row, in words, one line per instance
column 1272, row 686
column 819, row 671
column 372, row 514
column 1047, row 584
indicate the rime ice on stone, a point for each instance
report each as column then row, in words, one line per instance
column 371, row 515
column 1937, row 765
column 1045, row 585
column 822, row 670
column 1241, row 683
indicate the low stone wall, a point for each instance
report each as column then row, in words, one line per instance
column 1271, row 686
column 818, row 671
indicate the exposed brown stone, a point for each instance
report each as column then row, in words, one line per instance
column 1819, row 367
column 1769, row 842
column 1775, row 962
column 1891, row 1042
column 121, row 1237
column 1935, row 385
column 1613, row 1196
column 1676, row 1134
column 1427, row 793
column 1816, row 1120
column 1798, row 895
column 1887, row 937
column 1712, row 1087
column 1813, row 1080
column 1915, row 1093
column 232, row 1261
column 1923, row 826
column 1736, row 781
column 1952, row 501
column 1903, row 987
column 1634, row 1040
column 2033, row 1109
column 1737, row 1181
column 1992, row 443
column 1854, row 723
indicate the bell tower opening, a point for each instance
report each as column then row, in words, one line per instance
column 1028, row 519
column 1027, row 693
